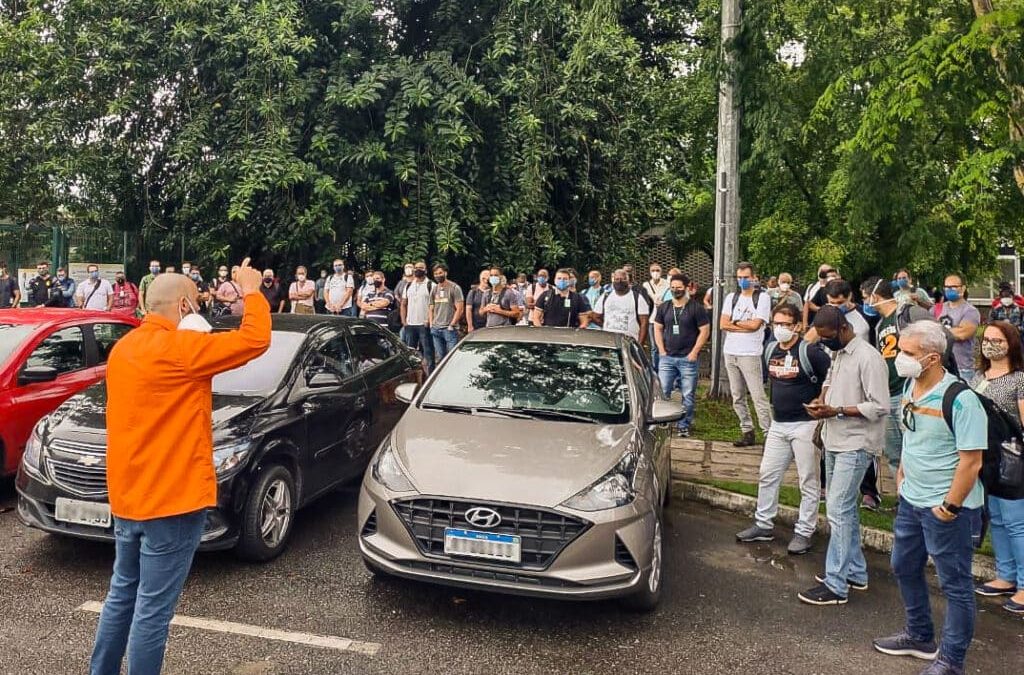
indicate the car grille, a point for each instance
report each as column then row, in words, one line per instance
column 79, row 468
column 543, row 533
column 370, row 528
column 622, row 555
column 487, row 575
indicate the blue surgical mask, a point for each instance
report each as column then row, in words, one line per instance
column 745, row 284
column 903, row 283
column 542, row 280
column 494, row 281
column 154, row 270
column 844, row 309
column 94, row 275
column 562, row 284
column 952, row 295
column 869, row 310
column 592, row 282
column 338, row 268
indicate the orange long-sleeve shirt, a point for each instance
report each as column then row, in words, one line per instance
column 159, row 408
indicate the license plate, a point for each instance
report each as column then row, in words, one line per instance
column 93, row 514
column 482, row 545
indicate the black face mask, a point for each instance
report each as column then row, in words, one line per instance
column 268, row 282
column 378, row 284
column 679, row 293
column 440, row 278
column 835, row 344
column 621, row 287
column 419, row 274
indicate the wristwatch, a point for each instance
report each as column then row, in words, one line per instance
column 840, row 415
column 952, row 508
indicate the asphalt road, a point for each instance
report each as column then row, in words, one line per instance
column 727, row 609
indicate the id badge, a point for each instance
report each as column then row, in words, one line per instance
column 675, row 329
column 789, row 361
column 568, row 303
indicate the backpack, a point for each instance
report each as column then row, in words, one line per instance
column 757, row 300
column 636, row 302
column 904, row 319
column 1002, row 467
column 805, row 359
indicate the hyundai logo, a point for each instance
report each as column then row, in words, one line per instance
column 482, row 516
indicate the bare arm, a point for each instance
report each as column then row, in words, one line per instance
column 460, row 309
column 659, row 338
column 702, row 339
column 965, row 477
column 965, row 331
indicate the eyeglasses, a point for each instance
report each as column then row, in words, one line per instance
column 908, row 416
column 993, row 341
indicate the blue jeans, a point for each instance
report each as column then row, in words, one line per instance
column 444, row 341
column 918, row 534
column 153, row 558
column 1008, row 538
column 894, row 433
column 418, row 337
column 845, row 561
column 669, row 369
column 655, row 355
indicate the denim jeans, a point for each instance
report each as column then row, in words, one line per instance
column 444, row 341
column 655, row 354
column 152, row 560
column 746, row 374
column 917, row 535
column 1008, row 538
column 894, row 433
column 785, row 442
column 418, row 337
column 845, row 561
column 673, row 367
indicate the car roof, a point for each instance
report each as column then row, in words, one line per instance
column 549, row 335
column 295, row 323
column 58, row 315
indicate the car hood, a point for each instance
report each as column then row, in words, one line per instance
column 491, row 458
column 83, row 417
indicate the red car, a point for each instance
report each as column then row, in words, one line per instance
column 47, row 356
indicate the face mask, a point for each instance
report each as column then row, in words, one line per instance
column 94, row 275
column 338, row 269
column 222, row 274
column 193, row 321
column 1006, row 302
column 419, row 274
column 844, row 309
column 62, row 277
column 300, row 277
column 903, row 283
column 408, row 271
column 621, row 287
column 562, row 284
column 908, row 367
column 834, row 344
column 592, row 282
column 869, row 310
column 745, row 284
column 120, row 280
column 378, row 283
column 268, row 280
column 994, row 352
column 952, row 295
column 440, row 278
column 823, row 275
column 493, row 280
column 542, row 281
column 784, row 287
column 783, row 334
column 678, row 293
column 186, row 270
column 655, row 276
column 154, row 270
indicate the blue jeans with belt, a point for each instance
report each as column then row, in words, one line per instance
column 918, row 534
column 152, row 560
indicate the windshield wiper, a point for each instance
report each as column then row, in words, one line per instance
column 552, row 414
column 473, row 410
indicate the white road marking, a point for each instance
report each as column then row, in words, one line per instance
column 217, row 626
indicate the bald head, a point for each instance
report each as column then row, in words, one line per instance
column 167, row 295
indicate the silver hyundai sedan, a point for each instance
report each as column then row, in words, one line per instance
column 533, row 461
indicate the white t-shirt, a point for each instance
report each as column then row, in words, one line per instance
column 620, row 312
column 97, row 300
column 858, row 324
column 746, row 344
column 335, row 287
column 417, row 295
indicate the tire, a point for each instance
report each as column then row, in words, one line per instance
column 269, row 515
column 647, row 597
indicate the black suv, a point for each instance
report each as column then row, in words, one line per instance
column 287, row 428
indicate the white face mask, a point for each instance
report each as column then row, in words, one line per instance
column 300, row 277
column 784, row 286
column 908, row 367
column 783, row 334
column 655, row 276
column 194, row 321
column 1006, row 302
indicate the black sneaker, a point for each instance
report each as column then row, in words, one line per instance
column 902, row 644
column 745, row 441
column 821, row 595
column 990, row 591
column 855, row 585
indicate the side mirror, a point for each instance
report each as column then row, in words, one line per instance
column 37, row 374
column 406, row 391
column 663, row 412
column 323, row 379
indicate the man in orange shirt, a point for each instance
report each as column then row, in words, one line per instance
column 160, row 471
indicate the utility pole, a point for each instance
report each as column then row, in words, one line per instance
column 727, row 193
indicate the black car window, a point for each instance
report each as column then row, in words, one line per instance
column 107, row 335
column 333, row 354
column 63, row 350
column 371, row 347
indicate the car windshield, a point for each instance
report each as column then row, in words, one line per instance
column 11, row 337
column 583, row 383
column 262, row 376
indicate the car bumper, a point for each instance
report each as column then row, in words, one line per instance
column 36, row 506
column 586, row 569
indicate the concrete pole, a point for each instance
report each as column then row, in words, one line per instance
column 727, row 194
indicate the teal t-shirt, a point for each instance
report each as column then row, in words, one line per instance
column 931, row 452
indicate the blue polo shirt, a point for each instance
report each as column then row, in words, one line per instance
column 931, row 452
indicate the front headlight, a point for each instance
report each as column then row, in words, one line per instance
column 34, row 448
column 612, row 490
column 229, row 457
column 388, row 472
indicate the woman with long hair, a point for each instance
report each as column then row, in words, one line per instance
column 1001, row 379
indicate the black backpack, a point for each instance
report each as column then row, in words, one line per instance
column 1002, row 469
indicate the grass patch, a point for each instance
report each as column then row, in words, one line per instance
column 790, row 496
column 715, row 419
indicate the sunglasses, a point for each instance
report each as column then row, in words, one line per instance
column 908, row 416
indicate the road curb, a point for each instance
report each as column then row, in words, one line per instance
column 873, row 539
